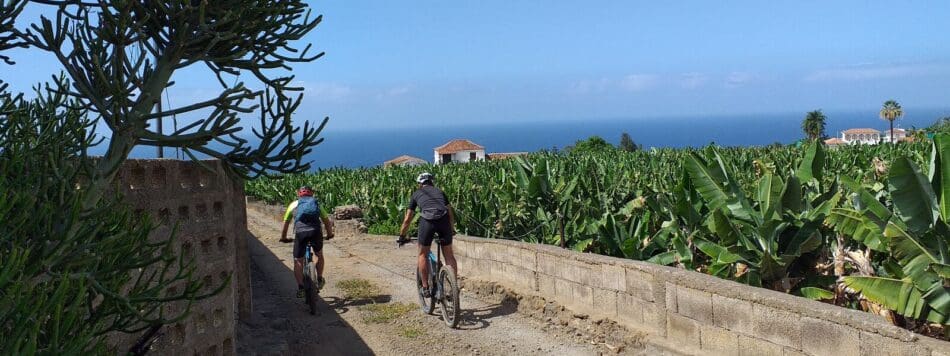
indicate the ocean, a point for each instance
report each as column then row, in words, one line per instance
column 371, row 147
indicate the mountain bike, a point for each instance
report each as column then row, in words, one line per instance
column 444, row 286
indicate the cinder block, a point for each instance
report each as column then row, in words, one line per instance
column 530, row 258
column 546, row 286
column 671, row 297
column 820, row 337
column 460, row 248
column 563, row 291
column 777, row 326
column 548, row 265
column 517, row 258
column 872, row 344
column 605, row 302
column 484, row 269
column 498, row 253
column 522, row 277
column 478, row 251
column 695, row 304
column 683, row 330
column 583, row 295
column 718, row 340
column 613, row 278
column 579, row 273
column 654, row 318
column 639, row 284
column 630, row 311
column 732, row 314
column 755, row 347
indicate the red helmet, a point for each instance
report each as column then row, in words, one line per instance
column 304, row 191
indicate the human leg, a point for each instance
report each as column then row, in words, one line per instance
column 423, row 265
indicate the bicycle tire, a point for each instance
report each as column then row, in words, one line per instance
column 450, row 297
column 309, row 290
column 427, row 304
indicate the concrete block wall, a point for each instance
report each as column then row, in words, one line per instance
column 684, row 310
column 209, row 208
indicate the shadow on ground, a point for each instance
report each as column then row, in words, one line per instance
column 282, row 324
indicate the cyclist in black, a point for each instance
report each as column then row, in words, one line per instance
column 307, row 216
column 436, row 218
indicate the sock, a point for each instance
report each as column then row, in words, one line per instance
column 300, row 286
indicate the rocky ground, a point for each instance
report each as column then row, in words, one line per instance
column 369, row 307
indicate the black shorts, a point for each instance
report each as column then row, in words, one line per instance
column 428, row 230
column 301, row 239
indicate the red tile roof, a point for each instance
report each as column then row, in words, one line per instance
column 834, row 141
column 861, row 131
column 403, row 159
column 458, row 145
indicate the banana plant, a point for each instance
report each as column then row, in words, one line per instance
column 758, row 240
column 915, row 234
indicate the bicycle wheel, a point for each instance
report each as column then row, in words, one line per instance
column 450, row 297
column 427, row 304
column 309, row 290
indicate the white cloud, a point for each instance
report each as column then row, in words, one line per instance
column 871, row 72
column 630, row 83
column 637, row 82
column 737, row 79
column 692, row 80
column 327, row 91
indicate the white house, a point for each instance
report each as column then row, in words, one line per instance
column 899, row 135
column 862, row 135
column 459, row 150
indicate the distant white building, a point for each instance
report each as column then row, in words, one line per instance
column 458, row 150
column 861, row 136
column 405, row 160
column 899, row 135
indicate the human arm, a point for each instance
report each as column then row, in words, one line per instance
column 288, row 217
column 283, row 233
column 405, row 223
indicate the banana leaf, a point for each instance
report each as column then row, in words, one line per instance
column 913, row 196
column 815, row 293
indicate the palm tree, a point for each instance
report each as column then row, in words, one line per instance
column 891, row 111
column 814, row 125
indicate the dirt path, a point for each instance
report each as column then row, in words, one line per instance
column 349, row 325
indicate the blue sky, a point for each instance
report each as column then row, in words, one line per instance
column 445, row 63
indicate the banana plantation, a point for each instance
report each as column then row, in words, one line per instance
column 863, row 227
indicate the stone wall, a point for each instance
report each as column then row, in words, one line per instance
column 684, row 310
column 209, row 208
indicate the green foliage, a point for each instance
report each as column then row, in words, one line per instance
column 915, row 237
column 70, row 276
column 814, row 125
column 768, row 233
column 762, row 216
column 942, row 125
column 120, row 57
column 593, row 144
column 627, row 144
